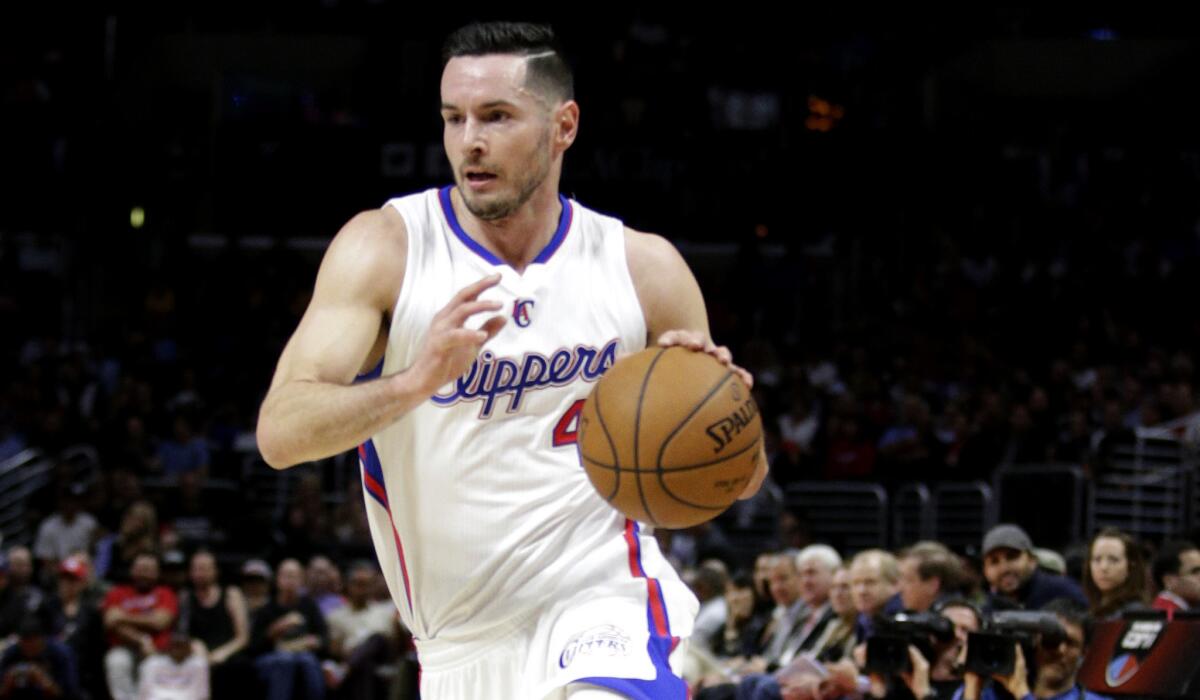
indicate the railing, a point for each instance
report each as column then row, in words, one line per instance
column 912, row 515
column 849, row 515
column 20, row 477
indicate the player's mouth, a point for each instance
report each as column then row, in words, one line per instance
column 478, row 179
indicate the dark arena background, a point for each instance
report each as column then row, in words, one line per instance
column 958, row 250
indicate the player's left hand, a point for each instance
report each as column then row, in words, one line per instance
column 695, row 340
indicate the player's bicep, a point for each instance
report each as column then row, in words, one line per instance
column 356, row 284
column 666, row 288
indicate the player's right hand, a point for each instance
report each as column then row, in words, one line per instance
column 449, row 348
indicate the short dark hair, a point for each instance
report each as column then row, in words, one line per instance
column 1074, row 612
column 1167, row 560
column 548, row 71
column 935, row 559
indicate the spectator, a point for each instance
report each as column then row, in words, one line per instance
column 324, row 584
column 361, row 636
column 1115, row 576
column 179, row 674
column 256, row 584
column 19, row 597
column 138, row 617
column 77, row 608
column 874, row 579
column 708, row 583
column 288, row 634
column 37, row 666
column 66, row 531
column 138, row 533
column 1177, row 575
column 790, row 610
column 185, row 452
column 745, row 624
column 215, row 616
column 1011, row 569
column 929, row 571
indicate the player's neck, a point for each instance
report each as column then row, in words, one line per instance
column 518, row 238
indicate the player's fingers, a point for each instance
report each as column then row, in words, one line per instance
column 459, row 314
column 459, row 337
column 744, row 375
column 722, row 354
column 688, row 339
column 473, row 290
column 493, row 325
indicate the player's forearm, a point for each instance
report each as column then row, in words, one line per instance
column 302, row 421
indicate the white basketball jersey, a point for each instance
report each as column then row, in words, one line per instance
column 477, row 502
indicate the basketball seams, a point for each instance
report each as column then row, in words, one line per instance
column 611, row 446
column 662, row 448
column 637, row 425
column 685, row 468
column 663, row 483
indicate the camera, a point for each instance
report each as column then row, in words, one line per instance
column 993, row 651
column 887, row 649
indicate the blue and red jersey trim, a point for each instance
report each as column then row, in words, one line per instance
column 555, row 242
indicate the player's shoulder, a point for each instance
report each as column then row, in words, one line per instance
column 368, row 256
column 650, row 255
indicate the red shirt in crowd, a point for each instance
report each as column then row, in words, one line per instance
column 127, row 598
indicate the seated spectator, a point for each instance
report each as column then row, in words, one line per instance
column 256, row 584
column 742, row 637
column 185, row 452
column 77, row 608
column 37, row 666
column 1057, row 668
column 138, row 617
column 708, row 584
column 324, row 584
column 1014, row 579
column 68, row 530
column 1177, row 575
column 215, row 617
column 929, row 572
column 19, row 596
column 138, row 533
column 288, row 633
column 874, row 579
column 838, row 639
column 1115, row 576
column 180, row 673
column 361, row 636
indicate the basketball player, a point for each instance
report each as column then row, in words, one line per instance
column 481, row 314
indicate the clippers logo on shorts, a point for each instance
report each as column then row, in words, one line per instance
column 604, row 640
column 1133, row 646
column 491, row 377
column 520, row 312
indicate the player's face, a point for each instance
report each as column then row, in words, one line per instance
column 1109, row 565
column 497, row 132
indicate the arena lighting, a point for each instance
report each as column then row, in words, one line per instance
column 823, row 115
column 137, row 217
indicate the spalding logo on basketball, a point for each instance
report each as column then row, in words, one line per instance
column 670, row 437
column 1133, row 646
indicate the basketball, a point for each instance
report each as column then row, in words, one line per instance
column 669, row 437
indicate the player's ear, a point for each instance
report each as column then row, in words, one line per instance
column 566, row 124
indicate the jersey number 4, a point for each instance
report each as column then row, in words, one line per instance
column 567, row 429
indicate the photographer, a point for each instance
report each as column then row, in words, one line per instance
column 1056, row 660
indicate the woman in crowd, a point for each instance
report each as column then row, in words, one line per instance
column 1114, row 575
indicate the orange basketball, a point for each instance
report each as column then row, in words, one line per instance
column 670, row 436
